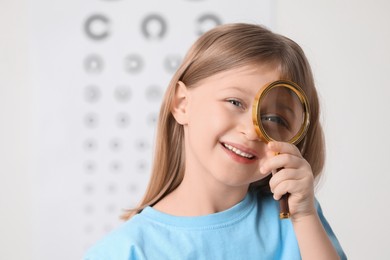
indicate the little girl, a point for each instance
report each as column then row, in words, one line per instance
column 212, row 194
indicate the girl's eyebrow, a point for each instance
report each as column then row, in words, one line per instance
column 236, row 88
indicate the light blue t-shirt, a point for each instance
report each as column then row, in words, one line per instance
column 249, row 230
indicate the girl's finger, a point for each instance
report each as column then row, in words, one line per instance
column 284, row 148
column 283, row 188
column 283, row 161
column 283, row 175
column 296, row 188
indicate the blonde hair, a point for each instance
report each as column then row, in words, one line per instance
column 223, row 48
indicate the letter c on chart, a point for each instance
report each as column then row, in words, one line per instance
column 97, row 26
column 154, row 26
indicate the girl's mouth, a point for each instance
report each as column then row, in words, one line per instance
column 238, row 151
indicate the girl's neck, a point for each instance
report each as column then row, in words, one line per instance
column 192, row 198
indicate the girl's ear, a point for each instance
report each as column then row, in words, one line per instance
column 180, row 103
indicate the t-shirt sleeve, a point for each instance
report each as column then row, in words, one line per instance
column 330, row 232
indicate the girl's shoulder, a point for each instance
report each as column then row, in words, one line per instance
column 119, row 243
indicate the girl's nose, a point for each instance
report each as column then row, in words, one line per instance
column 251, row 133
column 248, row 128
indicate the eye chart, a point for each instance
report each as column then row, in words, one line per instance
column 99, row 69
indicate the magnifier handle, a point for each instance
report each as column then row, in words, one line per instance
column 283, row 205
column 283, row 202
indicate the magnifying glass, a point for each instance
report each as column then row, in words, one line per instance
column 280, row 113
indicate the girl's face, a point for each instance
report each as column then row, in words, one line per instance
column 222, row 147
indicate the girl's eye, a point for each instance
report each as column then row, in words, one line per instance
column 235, row 102
column 275, row 119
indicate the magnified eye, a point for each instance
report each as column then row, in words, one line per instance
column 275, row 119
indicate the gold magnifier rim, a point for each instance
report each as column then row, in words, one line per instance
column 302, row 98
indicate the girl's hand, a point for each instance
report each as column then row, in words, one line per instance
column 293, row 175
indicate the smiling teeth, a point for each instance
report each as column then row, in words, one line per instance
column 238, row 152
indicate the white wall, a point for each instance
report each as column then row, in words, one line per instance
column 347, row 44
column 15, row 225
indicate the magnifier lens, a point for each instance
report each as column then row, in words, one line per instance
column 281, row 114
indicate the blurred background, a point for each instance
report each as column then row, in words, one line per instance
column 80, row 88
